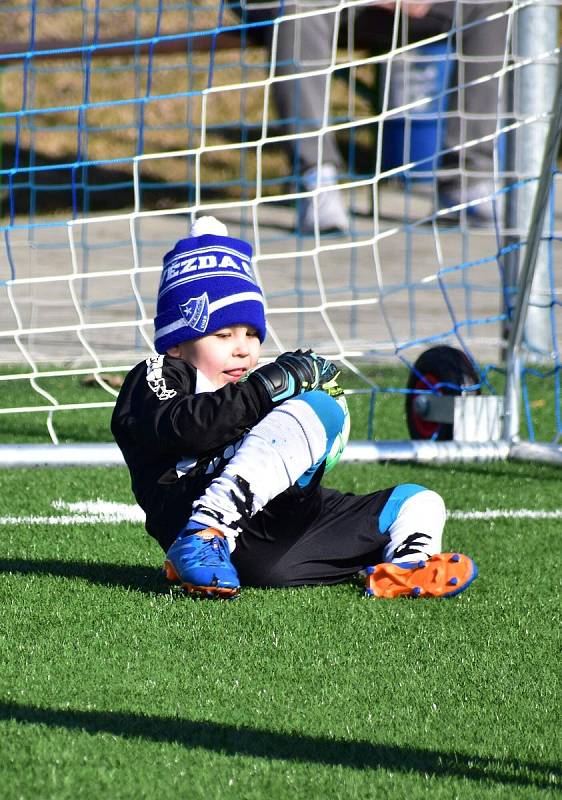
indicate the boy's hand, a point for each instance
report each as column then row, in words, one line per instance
column 292, row 374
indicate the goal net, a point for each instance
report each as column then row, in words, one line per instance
column 120, row 124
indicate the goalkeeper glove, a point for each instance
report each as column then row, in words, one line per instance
column 292, row 374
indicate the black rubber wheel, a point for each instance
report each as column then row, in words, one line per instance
column 438, row 365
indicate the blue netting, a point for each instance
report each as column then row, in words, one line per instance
column 92, row 94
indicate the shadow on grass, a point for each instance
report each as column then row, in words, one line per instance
column 137, row 578
column 44, row 184
column 231, row 740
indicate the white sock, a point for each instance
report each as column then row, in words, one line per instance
column 417, row 532
column 274, row 454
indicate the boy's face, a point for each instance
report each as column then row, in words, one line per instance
column 224, row 356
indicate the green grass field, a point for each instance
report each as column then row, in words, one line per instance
column 113, row 684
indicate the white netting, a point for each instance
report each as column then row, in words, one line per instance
column 107, row 158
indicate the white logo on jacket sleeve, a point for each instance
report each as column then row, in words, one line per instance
column 155, row 379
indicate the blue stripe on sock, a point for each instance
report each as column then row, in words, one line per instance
column 395, row 502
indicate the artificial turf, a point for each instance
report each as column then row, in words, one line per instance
column 115, row 684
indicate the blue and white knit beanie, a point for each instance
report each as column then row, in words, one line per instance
column 207, row 284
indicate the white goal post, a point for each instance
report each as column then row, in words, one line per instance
column 130, row 122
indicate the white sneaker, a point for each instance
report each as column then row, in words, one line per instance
column 332, row 216
column 486, row 207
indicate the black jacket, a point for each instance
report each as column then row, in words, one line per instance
column 173, row 439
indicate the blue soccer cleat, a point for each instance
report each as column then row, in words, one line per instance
column 201, row 563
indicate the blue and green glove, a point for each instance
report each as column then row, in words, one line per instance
column 293, row 373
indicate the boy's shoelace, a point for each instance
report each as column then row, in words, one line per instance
column 211, row 553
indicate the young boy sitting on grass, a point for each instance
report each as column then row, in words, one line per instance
column 226, row 458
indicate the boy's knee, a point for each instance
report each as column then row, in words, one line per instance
column 327, row 409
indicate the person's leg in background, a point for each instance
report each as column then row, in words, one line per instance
column 480, row 45
column 302, row 45
column 480, row 48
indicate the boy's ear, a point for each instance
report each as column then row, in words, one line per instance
column 173, row 351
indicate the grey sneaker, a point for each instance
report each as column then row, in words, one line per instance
column 479, row 199
column 332, row 216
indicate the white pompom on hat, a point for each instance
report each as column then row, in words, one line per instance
column 209, row 224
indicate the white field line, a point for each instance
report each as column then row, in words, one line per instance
column 83, row 513
column 108, row 513
column 512, row 513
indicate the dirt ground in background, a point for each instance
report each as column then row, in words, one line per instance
column 171, row 122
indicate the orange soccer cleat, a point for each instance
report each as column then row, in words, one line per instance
column 443, row 575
